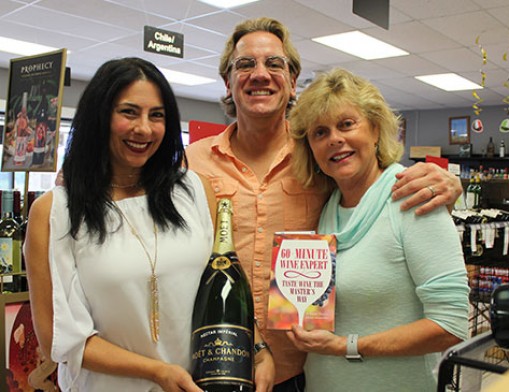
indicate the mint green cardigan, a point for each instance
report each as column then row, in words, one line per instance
column 401, row 269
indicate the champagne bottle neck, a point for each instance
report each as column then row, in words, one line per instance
column 223, row 242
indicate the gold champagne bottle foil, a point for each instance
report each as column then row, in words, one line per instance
column 223, row 242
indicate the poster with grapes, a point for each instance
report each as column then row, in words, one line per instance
column 32, row 116
column 302, row 286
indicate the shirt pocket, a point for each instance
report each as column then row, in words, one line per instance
column 301, row 206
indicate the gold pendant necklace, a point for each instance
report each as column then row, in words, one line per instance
column 154, row 290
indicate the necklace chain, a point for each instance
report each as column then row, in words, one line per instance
column 136, row 184
column 154, row 290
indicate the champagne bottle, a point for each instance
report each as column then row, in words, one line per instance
column 10, row 244
column 223, row 317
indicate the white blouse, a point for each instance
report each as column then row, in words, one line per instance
column 104, row 289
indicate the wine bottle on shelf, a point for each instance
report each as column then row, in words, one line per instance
column 490, row 148
column 223, row 317
column 31, row 195
column 16, row 207
column 501, row 149
column 470, row 194
column 478, row 193
column 10, row 244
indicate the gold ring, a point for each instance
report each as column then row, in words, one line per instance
column 432, row 190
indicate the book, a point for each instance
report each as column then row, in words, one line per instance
column 302, row 283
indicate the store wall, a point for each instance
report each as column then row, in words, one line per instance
column 431, row 127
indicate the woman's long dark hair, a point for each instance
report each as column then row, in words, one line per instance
column 87, row 163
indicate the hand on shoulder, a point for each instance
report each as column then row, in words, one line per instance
column 426, row 184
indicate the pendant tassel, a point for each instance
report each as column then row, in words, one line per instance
column 154, row 314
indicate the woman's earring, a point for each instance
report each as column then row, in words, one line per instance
column 317, row 169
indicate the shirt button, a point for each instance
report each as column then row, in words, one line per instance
column 244, row 170
column 260, row 196
column 257, row 299
column 258, row 264
column 260, row 230
column 216, row 189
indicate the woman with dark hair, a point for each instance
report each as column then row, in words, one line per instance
column 114, row 256
column 88, row 151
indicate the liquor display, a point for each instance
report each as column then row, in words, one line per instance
column 223, row 317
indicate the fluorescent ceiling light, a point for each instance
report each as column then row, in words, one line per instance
column 227, row 3
column 449, row 82
column 360, row 45
column 186, row 79
column 22, row 48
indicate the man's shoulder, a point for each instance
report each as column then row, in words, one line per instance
column 200, row 154
column 200, row 146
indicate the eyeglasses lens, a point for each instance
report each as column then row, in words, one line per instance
column 273, row 64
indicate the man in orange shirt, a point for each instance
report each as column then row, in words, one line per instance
column 250, row 163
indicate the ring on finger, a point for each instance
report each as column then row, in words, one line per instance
column 432, row 190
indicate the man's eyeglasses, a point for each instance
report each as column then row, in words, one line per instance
column 273, row 64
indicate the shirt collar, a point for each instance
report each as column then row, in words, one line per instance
column 221, row 142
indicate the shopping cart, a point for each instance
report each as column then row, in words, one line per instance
column 463, row 365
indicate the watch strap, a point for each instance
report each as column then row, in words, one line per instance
column 260, row 346
column 352, row 354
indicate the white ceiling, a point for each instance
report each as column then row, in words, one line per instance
column 439, row 34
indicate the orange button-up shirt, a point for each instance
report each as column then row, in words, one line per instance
column 278, row 203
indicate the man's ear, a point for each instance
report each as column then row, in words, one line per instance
column 226, row 81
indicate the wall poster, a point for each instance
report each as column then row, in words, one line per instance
column 32, row 119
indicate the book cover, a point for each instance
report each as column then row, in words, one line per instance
column 302, row 283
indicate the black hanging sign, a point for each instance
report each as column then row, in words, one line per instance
column 376, row 11
column 163, row 42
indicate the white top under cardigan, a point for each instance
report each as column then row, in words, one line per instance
column 104, row 289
